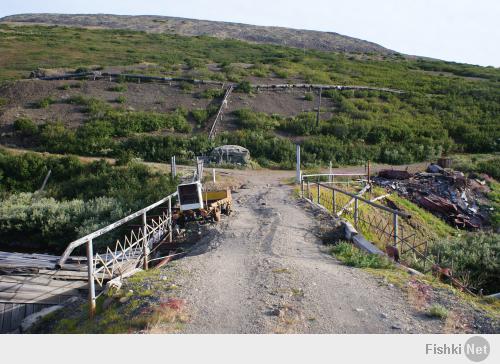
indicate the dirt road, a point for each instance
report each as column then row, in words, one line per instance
column 265, row 270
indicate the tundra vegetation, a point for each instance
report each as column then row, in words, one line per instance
column 446, row 108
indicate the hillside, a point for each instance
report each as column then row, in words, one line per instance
column 87, row 132
column 326, row 41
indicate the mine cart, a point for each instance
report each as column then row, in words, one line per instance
column 197, row 204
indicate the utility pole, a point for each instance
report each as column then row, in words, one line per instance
column 173, row 167
column 319, row 106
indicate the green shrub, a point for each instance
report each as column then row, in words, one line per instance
column 26, row 127
column 3, row 102
column 54, row 137
column 303, row 124
column 490, row 167
column 118, row 88
column 473, row 258
column 249, row 119
column 354, row 257
column 200, row 116
column 212, row 93
column 51, row 223
column 244, row 87
column 186, row 86
column 438, row 311
column 308, row 96
column 44, row 103
column 121, row 99
column 78, row 199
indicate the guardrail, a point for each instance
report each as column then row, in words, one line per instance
column 380, row 224
column 128, row 253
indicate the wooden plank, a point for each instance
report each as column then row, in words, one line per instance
column 7, row 316
column 36, row 297
column 29, row 307
column 17, row 316
column 2, row 307
column 24, row 287
column 40, row 280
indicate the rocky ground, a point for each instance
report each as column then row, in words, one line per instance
column 265, row 270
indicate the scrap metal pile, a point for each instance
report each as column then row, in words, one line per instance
column 449, row 194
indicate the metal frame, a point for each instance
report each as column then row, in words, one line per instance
column 385, row 227
column 128, row 253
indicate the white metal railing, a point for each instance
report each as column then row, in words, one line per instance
column 126, row 254
column 382, row 222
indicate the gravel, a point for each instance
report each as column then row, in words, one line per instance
column 265, row 270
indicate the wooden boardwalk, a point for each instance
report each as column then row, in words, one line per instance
column 30, row 283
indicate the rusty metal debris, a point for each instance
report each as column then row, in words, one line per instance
column 447, row 193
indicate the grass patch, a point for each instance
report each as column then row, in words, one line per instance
column 438, row 311
column 354, row 257
column 212, row 93
column 118, row 88
column 121, row 99
column 143, row 304
column 44, row 103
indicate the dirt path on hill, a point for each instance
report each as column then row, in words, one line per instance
column 266, row 271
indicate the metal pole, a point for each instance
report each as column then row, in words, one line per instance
column 145, row 244
column 355, row 212
column 318, row 193
column 330, row 177
column 90, row 277
column 302, row 188
column 308, row 191
column 369, row 180
column 170, row 219
column 298, row 162
column 395, row 227
column 213, row 175
column 319, row 107
column 175, row 167
column 334, row 204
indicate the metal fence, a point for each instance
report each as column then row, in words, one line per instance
column 128, row 253
column 382, row 225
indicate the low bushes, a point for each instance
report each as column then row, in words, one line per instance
column 473, row 258
column 212, row 93
column 44, row 103
column 78, row 198
column 26, row 218
column 26, row 127
column 252, row 120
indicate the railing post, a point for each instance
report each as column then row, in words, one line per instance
column 395, row 227
column 302, row 187
column 90, row 277
column 308, row 190
column 318, row 194
column 355, row 212
column 334, row 203
column 145, row 244
column 170, row 232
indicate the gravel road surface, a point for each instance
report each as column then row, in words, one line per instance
column 265, row 270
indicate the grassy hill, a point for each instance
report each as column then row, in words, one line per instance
column 445, row 107
column 309, row 39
